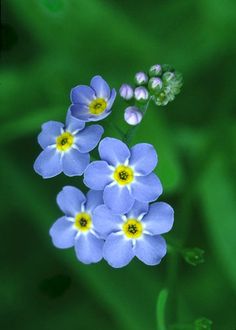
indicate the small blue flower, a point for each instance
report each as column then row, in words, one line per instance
column 124, row 175
column 92, row 103
column 66, row 147
column 77, row 227
column 136, row 233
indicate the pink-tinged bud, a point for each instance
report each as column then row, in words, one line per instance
column 141, row 78
column 126, row 92
column 141, row 94
column 133, row 116
column 155, row 84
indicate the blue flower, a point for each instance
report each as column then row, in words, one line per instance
column 135, row 234
column 124, row 175
column 92, row 103
column 77, row 228
column 66, row 147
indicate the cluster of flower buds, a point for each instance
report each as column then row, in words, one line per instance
column 161, row 84
column 203, row 324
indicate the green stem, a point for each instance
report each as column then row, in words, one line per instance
column 160, row 311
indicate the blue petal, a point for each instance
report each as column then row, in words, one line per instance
column 117, row 250
column 48, row 164
column 97, row 175
column 118, row 199
column 111, row 100
column 143, row 158
column 73, row 124
column 88, row 248
column 94, row 198
column 138, row 209
column 88, row 138
column 146, row 188
column 150, row 249
column 70, row 200
column 114, row 151
column 105, row 222
column 101, row 87
column 80, row 111
column 82, row 94
column 63, row 233
column 74, row 162
column 159, row 219
column 50, row 131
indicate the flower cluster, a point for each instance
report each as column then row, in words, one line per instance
column 119, row 217
column 161, row 84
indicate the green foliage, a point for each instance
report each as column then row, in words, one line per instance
column 55, row 45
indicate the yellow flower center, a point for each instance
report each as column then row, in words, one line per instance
column 123, row 174
column 97, row 106
column 132, row 228
column 83, row 221
column 64, row 141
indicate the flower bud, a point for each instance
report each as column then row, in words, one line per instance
column 126, row 92
column 194, row 256
column 167, row 67
column 133, row 115
column 155, row 70
column 202, row 324
column 141, row 94
column 168, row 77
column 141, row 78
column 155, row 85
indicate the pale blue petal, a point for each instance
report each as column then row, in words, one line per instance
column 118, row 199
column 73, row 124
column 150, row 249
column 82, row 94
column 113, row 151
column 105, row 222
column 63, row 233
column 138, row 209
column 117, row 250
column 159, row 219
column 101, row 87
column 80, row 111
column 146, row 188
column 88, row 138
column 70, row 200
column 111, row 100
column 88, row 248
column 94, row 198
column 143, row 158
column 50, row 131
column 97, row 175
column 48, row 164
column 74, row 162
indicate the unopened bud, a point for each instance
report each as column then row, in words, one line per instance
column 194, row 256
column 168, row 77
column 141, row 94
column 202, row 324
column 133, row 115
column 126, row 92
column 155, row 84
column 155, row 70
column 141, row 78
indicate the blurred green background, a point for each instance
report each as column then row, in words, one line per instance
column 47, row 47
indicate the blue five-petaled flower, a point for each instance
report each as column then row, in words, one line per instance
column 124, row 175
column 136, row 233
column 94, row 102
column 76, row 228
column 66, row 147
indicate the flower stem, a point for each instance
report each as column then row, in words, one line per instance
column 160, row 311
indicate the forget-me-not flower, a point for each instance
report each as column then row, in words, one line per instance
column 136, row 233
column 124, row 175
column 94, row 102
column 76, row 228
column 66, row 147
